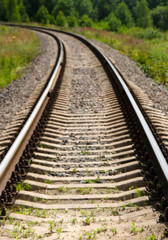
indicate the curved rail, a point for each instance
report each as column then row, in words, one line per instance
column 159, row 161
column 154, row 145
column 153, row 148
column 12, row 157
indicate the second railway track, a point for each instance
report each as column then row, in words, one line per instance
column 85, row 176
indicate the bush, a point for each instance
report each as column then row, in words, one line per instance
column 114, row 23
column 102, row 25
column 148, row 33
column 160, row 17
column 72, row 21
column 143, row 14
column 61, row 19
column 124, row 14
column 85, row 21
column 43, row 15
column 23, row 15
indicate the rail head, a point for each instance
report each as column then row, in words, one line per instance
column 155, row 150
column 13, row 155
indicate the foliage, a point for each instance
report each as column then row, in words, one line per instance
column 129, row 12
column 3, row 10
column 85, row 21
column 114, row 23
column 84, row 7
column 141, row 43
column 124, row 14
column 148, row 33
column 143, row 16
column 18, row 48
column 32, row 7
column 105, row 7
column 160, row 17
column 102, row 25
column 43, row 15
column 153, row 4
column 13, row 14
column 72, row 20
column 61, row 19
column 150, row 55
column 23, row 14
column 65, row 6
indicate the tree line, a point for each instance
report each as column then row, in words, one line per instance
column 107, row 14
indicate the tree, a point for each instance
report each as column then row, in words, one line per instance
column 50, row 5
column 65, row 6
column 73, row 20
column 32, row 7
column 13, row 11
column 160, row 17
column 84, row 7
column 23, row 14
column 124, row 14
column 114, row 22
column 43, row 15
column 3, row 10
column 131, row 5
column 143, row 15
column 61, row 19
column 153, row 4
column 85, row 21
column 105, row 7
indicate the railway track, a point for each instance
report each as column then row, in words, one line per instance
column 89, row 171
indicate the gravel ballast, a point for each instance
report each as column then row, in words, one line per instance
column 17, row 93
column 157, row 93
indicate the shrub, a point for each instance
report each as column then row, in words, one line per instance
column 85, row 21
column 72, row 21
column 124, row 14
column 160, row 17
column 43, row 15
column 148, row 33
column 143, row 15
column 114, row 23
column 61, row 19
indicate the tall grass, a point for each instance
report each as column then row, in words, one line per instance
column 148, row 47
column 18, row 48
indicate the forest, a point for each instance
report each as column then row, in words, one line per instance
column 103, row 14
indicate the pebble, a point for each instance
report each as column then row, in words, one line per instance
column 99, row 181
column 67, row 168
column 156, row 92
column 11, row 101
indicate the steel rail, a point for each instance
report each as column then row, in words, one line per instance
column 159, row 161
column 12, row 157
column 154, row 145
column 156, row 154
column 157, row 157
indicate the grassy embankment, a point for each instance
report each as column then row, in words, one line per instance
column 148, row 47
column 18, row 48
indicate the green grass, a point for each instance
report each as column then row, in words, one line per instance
column 18, row 48
column 147, row 47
